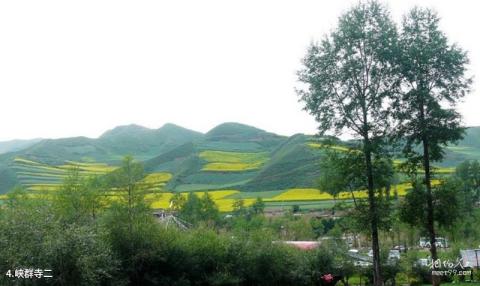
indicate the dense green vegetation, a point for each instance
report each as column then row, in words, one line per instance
column 87, row 242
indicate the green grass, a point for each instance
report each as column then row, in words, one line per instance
column 310, row 205
column 263, row 195
column 205, row 187
column 232, row 146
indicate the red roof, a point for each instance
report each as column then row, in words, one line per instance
column 304, row 245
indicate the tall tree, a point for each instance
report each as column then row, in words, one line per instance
column 131, row 229
column 433, row 73
column 79, row 198
column 348, row 79
column 258, row 206
column 127, row 181
column 209, row 210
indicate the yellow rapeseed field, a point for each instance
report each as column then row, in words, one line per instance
column 160, row 177
column 334, row 147
column 302, row 195
column 310, row 194
column 222, row 161
column 162, row 200
column 231, row 167
column 44, row 187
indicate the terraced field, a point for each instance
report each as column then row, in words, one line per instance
column 156, row 181
column 42, row 179
column 37, row 176
column 222, row 161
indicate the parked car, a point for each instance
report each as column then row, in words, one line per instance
column 361, row 263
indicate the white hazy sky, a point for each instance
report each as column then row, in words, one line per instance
column 70, row 68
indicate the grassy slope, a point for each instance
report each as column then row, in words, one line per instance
column 468, row 148
column 292, row 164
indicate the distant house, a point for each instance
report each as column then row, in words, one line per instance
column 470, row 257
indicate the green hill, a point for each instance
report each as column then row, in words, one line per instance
column 230, row 156
column 239, row 137
column 16, row 145
column 145, row 143
column 292, row 164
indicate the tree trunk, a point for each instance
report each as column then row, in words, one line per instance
column 428, row 185
column 377, row 277
column 430, row 215
column 353, row 197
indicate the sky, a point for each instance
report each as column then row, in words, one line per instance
column 79, row 68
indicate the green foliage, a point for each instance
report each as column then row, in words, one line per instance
column 425, row 108
column 196, row 210
column 33, row 234
column 446, row 204
column 239, row 207
column 335, row 72
column 177, row 202
column 295, row 209
column 258, row 206
column 79, row 198
column 345, row 172
column 469, row 174
column 135, row 240
column 127, row 182
column 79, row 256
